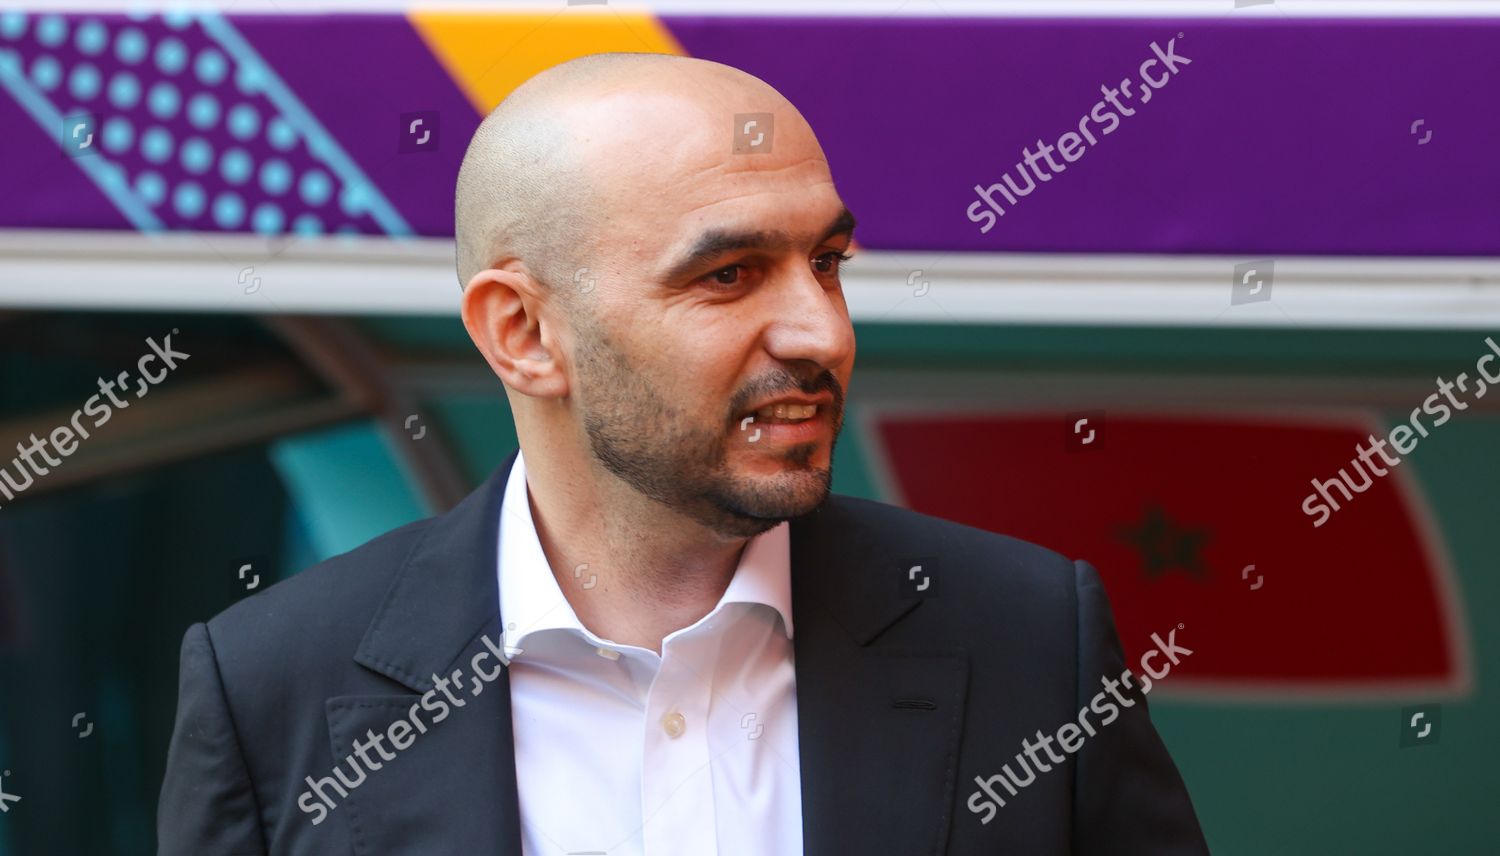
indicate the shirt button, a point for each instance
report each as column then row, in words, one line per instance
column 674, row 724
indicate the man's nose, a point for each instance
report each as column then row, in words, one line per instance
column 811, row 323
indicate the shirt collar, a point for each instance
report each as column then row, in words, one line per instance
column 531, row 600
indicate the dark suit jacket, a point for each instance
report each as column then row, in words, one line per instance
column 903, row 699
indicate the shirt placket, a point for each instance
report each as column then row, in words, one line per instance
column 677, row 794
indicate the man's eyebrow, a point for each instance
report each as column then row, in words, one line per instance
column 716, row 242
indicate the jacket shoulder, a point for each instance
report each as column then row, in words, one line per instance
column 886, row 522
column 325, row 608
column 976, row 559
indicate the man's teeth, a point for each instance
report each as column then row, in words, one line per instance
column 785, row 412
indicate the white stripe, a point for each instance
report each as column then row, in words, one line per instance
column 349, row 275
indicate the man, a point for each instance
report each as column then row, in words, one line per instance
column 707, row 653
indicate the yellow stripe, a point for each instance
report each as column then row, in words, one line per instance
column 489, row 54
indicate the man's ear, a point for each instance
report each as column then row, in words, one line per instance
column 502, row 309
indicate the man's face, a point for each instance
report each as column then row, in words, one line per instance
column 719, row 292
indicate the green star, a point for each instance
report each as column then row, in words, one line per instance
column 1165, row 545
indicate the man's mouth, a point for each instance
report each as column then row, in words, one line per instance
column 785, row 414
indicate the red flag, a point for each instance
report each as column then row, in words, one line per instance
column 1198, row 520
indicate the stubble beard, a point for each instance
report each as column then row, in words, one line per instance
column 637, row 434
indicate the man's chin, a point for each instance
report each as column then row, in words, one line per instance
column 774, row 461
column 782, row 496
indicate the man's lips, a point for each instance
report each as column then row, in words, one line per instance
column 785, row 430
column 789, row 408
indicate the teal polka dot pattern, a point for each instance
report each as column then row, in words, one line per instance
column 130, row 46
column 353, row 199
column 315, row 187
column 156, row 144
column 51, row 30
column 235, row 166
column 279, row 132
column 46, row 72
column 118, row 134
column 177, row 19
column 12, row 24
column 151, row 187
column 197, row 155
column 275, row 177
column 210, row 67
column 192, row 125
column 124, row 90
column 307, row 225
column 243, row 121
column 91, row 38
column 203, row 111
column 163, row 100
column 267, row 218
column 188, row 199
column 84, row 82
column 250, row 79
column 229, row 210
column 171, row 56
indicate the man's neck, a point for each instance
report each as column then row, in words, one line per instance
column 633, row 570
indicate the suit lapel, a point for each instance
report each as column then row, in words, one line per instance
column 453, row 789
column 878, row 725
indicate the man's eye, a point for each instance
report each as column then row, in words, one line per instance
column 832, row 261
column 726, row 277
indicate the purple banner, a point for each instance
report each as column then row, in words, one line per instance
column 1265, row 136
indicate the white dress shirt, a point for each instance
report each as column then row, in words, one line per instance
column 626, row 753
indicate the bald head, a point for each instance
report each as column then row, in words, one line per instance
column 545, row 170
column 650, row 249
